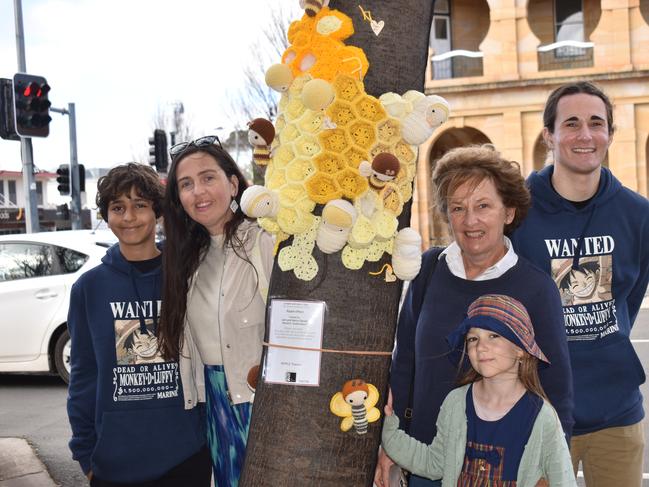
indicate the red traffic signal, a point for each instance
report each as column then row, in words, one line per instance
column 31, row 105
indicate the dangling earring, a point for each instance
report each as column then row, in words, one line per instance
column 234, row 206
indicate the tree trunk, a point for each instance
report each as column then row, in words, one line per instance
column 294, row 439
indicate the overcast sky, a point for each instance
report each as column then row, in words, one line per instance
column 120, row 61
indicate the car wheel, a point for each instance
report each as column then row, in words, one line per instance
column 62, row 356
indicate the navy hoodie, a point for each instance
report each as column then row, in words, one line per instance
column 598, row 257
column 125, row 403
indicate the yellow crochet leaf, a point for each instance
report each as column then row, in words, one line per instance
column 362, row 134
column 329, row 162
column 322, row 188
column 334, row 140
column 376, row 250
column 353, row 258
column 351, row 183
column 307, row 268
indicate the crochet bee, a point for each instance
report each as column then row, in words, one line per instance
column 261, row 133
column 355, row 404
column 312, row 7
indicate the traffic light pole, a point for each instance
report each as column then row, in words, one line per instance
column 75, row 180
column 29, row 185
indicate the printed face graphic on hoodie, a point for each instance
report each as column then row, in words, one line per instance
column 205, row 191
column 580, row 139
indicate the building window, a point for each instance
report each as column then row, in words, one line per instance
column 12, row 192
column 569, row 26
column 2, row 192
column 570, row 49
column 39, row 193
column 569, row 20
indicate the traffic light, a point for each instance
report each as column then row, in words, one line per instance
column 31, row 105
column 63, row 179
column 158, row 150
column 82, row 177
column 7, row 119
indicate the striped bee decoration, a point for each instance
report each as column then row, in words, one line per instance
column 312, row 7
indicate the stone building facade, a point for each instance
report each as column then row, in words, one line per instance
column 496, row 61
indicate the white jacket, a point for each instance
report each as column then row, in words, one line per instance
column 241, row 314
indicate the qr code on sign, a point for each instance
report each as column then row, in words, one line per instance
column 291, row 377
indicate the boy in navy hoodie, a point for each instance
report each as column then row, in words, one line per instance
column 125, row 403
column 591, row 234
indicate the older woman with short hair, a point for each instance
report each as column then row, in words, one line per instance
column 483, row 197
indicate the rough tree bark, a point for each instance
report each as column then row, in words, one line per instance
column 294, row 438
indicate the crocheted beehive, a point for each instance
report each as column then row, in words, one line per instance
column 317, row 152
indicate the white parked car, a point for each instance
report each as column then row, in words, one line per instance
column 37, row 271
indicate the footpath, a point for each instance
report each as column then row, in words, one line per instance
column 20, row 467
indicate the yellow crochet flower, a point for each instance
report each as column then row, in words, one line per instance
column 341, row 113
column 362, row 133
column 329, row 162
column 322, row 188
column 334, row 140
column 351, row 183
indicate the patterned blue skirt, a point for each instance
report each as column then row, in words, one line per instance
column 227, row 428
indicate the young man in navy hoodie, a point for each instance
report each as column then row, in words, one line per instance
column 125, row 403
column 591, row 234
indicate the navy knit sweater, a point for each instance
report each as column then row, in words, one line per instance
column 422, row 348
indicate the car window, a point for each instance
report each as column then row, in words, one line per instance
column 70, row 260
column 23, row 260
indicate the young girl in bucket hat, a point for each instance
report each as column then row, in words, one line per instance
column 497, row 429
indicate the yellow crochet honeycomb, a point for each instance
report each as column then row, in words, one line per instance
column 317, row 154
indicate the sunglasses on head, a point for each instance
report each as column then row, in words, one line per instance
column 200, row 142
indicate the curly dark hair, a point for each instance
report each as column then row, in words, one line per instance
column 121, row 179
column 476, row 163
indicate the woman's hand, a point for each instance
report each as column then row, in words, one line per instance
column 382, row 472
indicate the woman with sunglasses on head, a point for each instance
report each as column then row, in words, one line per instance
column 216, row 268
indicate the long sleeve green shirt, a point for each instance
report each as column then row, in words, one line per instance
column 546, row 452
